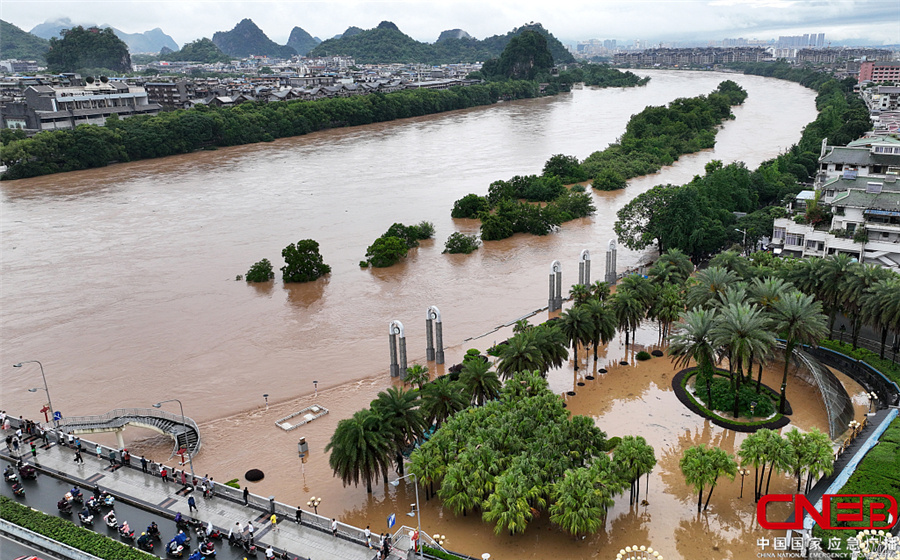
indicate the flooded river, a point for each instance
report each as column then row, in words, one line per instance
column 121, row 281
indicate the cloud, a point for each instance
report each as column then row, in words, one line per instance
column 650, row 20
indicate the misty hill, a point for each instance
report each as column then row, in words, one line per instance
column 301, row 41
column 16, row 43
column 201, row 50
column 147, row 42
column 454, row 34
column 247, row 39
column 386, row 44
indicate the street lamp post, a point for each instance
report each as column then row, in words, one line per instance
column 46, row 390
column 744, row 473
column 184, row 424
column 744, row 244
column 396, row 483
column 314, row 503
column 872, row 398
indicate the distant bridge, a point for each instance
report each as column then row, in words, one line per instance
column 186, row 434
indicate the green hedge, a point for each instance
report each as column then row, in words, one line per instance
column 712, row 414
column 887, row 367
column 68, row 533
column 878, row 473
column 439, row 553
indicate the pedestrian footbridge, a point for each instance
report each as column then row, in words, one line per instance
column 182, row 430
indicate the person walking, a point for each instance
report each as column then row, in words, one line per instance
column 246, row 496
column 274, row 521
column 143, row 464
column 250, row 531
column 164, row 473
column 112, row 458
column 99, row 451
column 333, row 527
column 211, row 487
column 126, row 458
column 368, row 537
column 192, row 504
column 33, row 450
column 15, row 444
column 299, row 516
column 78, row 457
column 77, row 441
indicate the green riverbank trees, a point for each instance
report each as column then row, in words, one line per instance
column 697, row 218
column 185, row 131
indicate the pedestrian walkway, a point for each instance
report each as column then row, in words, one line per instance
column 148, row 491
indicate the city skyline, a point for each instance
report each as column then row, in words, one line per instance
column 876, row 22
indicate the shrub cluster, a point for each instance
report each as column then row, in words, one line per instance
column 723, row 397
column 461, row 243
column 395, row 243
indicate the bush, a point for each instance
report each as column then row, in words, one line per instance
column 234, row 483
column 469, row 206
column 424, row 230
column 386, row 251
column 364, row 264
column 461, row 243
column 723, row 397
column 408, row 234
column 643, row 356
column 609, row 180
column 612, row 443
column 260, row 272
column 303, row 263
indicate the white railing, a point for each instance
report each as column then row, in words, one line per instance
column 102, row 420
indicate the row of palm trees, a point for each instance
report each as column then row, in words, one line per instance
column 796, row 454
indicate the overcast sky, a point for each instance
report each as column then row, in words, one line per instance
column 874, row 21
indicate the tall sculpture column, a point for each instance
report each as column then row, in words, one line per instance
column 395, row 330
column 433, row 319
column 584, row 268
column 611, row 263
column 555, row 301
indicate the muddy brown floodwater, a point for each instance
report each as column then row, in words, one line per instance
column 121, row 281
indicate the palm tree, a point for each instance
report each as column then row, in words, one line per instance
column 667, row 307
column 629, row 311
column 774, row 450
column 552, row 345
column 672, row 267
column 426, row 464
column 417, row 375
column 639, row 287
column 521, row 326
column 441, row 399
column 820, row 458
column 697, row 470
column 634, row 458
column 508, row 505
column 752, row 453
column 579, row 293
column 742, row 331
column 481, row 383
column 604, row 328
column 581, row 500
column 858, row 285
column 736, row 294
column 834, row 274
column 521, row 353
column 800, row 318
column 721, row 463
column 797, row 454
column 692, row 339
column 600, row 290
column 360, row 449
column 403, row 422
column 707, row 285
column 766, row 292
column 808, row 276
column 577, row 326
column 731, row 260
column 881, row 308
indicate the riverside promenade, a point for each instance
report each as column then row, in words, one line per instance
column 310, row 540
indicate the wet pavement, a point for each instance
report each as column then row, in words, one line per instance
column 142, row 498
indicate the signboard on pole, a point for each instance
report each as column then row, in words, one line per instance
column 392, row 520
column 57, row 415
